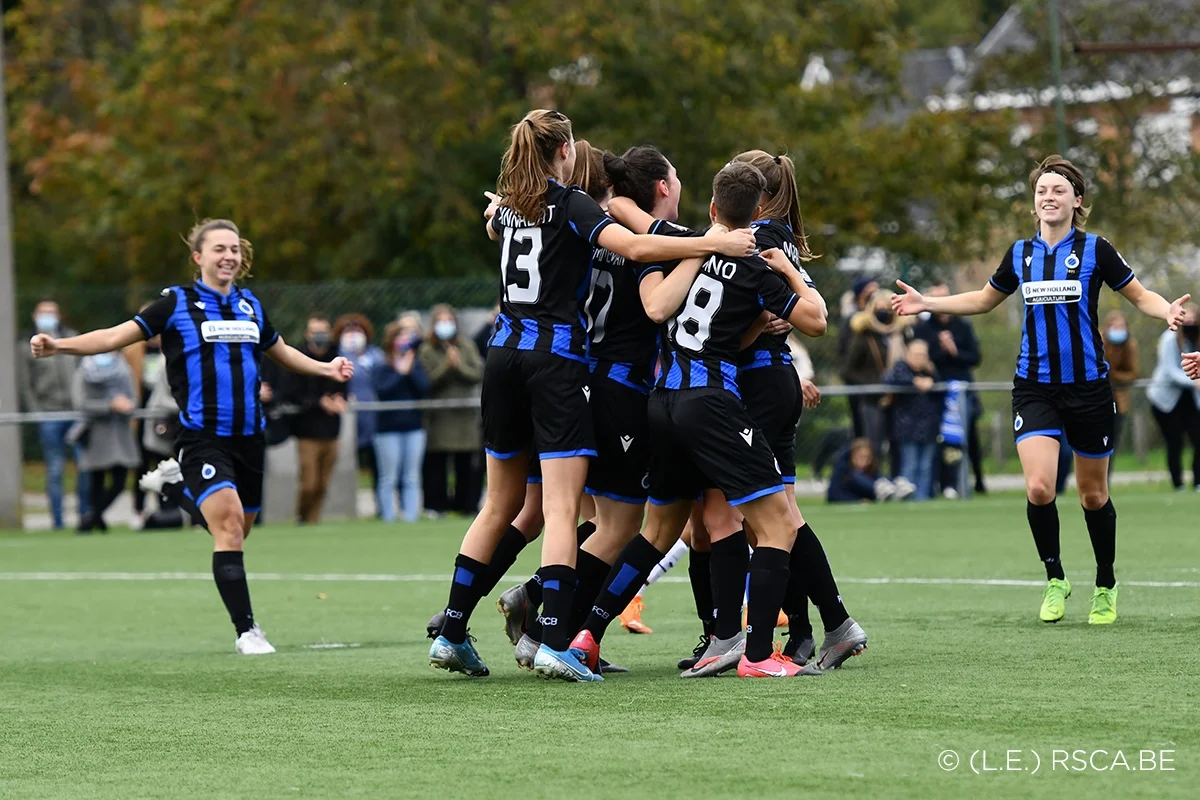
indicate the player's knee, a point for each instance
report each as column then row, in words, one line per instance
column 1039, row 489
column 720, row 520
column 228, row 527
column 1093, row 497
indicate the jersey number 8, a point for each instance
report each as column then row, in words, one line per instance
column 523, row 262
column 701, row 316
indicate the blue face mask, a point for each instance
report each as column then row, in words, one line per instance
column 46, row 323
column 103, row 360
column 1118, row 335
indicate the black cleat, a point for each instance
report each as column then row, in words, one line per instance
column 688, row 663
column 433, row 628
column 610, row 669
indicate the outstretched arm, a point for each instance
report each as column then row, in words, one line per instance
column 88, row 344
column 291, row 359
column 646, row 248
column 661, row 296
column 956, row 305
column 1153, row 304
column 627, row 212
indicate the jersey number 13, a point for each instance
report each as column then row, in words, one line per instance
column 513, row 263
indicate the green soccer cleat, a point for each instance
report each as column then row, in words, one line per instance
column 1104, row 606
column 1054, row 600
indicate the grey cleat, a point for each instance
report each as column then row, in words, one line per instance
column 721, row 655
column 512, row 605
column 848, row 639
column 526, row 651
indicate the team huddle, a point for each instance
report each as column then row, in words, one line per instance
column 639, row 378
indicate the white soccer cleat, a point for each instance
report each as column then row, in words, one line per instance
column 166, row 472
column 254, row 643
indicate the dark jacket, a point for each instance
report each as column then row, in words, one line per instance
column 916, row 417
column 847, row 484
column 391, row 385
column 482, row 337
column 305, row 393
column 951, row 367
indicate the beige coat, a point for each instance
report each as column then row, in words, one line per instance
column 452, row 430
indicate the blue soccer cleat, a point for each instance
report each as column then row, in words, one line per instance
column 562, row 665
column 457, row 657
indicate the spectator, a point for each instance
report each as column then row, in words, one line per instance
column 1175, row 398
column 876, row 344
column 455, row 369
column 917, row 417
column 954, row 351
column 856, row 477
column 46, row 386
column 854, row 302
column 158, row 442
column 1122, row 354
column 102, row 388
column 354, row 334
column 484, row 334
column 317, row 422
column 145, row 360
column 400, row 439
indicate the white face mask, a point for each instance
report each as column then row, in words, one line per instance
column 103, row 360
column 46, row 323
column 354, row 341
column 445, row 329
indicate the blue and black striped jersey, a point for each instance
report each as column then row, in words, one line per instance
column 212, row 344
column 1060, row 286
column 771, row 349
column 623, row 340
column 544, row 269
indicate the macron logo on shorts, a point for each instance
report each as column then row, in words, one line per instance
column 626, row 441
column 748, row 435
column 587, row 393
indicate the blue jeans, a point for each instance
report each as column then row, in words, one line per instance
column 916, row 464
column 53, row 437
column 399, row 457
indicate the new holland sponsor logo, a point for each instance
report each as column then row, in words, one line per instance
column 1042, row 292
column 235, row 330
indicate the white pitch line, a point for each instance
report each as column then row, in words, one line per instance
column 370, row 577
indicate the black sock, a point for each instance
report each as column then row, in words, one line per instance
column 510, row 546
column 558, row 591
column 533, row 588
column 1102, row 528
column 628, row 574
column 768, row 583
column 176, row 494
column 817, row 577
column 229, row 572
column 464, row 596
column 698, row 574
column 730, row 560
column 1043, row 521
column 591, row 572
column 583, row 531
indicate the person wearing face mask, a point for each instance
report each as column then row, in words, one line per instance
column 46, row 386
column 455, row 370
column 400, row 439
column 102, row 388
column 318, row 422
column 354, row 334
column 1175, row 397
column 1122, row 354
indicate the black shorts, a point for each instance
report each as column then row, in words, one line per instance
column 537, row 403
column 774, row 400
column 210, row 463
column 622, row 457
column 1085, row 412
column 704, row 438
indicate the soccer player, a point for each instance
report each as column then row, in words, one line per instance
column 1061, row 386
column 214, row 334
column 701, row 433
column 536, row 383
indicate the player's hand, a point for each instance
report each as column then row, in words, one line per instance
column 43, row 345
column 340, row 369
column 777, row 326
column 1176, row 313
column 1191, row 365
column 493, row 204
column 910, row 303
column 810, row 393
column 777, row 261
column 737, row 244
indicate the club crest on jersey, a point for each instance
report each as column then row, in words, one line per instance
column 246, row 308
column 199, row 304
column 1018, row 423
column 1072, row 263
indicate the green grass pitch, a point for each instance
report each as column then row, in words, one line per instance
column 129, row 688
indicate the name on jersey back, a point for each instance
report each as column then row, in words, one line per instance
column 511, row 219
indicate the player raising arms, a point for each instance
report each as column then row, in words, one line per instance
column 1061, row 384
column 214, row 334
column 535, row 382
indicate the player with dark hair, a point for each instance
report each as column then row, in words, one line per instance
column 214, row 334
column 1061, row 385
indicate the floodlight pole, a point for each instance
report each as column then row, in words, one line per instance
column 1060, row 115
column 10, row 435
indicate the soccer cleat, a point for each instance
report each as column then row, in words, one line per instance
column 166, row 472
column 457, row 657
column 1054, row 599
column 720, row 656
column 433, row 628
column 563, row 666
column 631, row 617
column 777, row 666
column 513, row 605
column 1104, row 606
column 800, row 647
column 586, row 649
column 607, row 668
column 848, row 639
column 254, row 643
column 697, row 651
column 525, row 651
